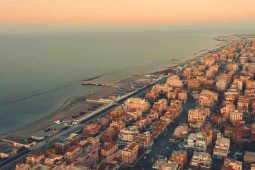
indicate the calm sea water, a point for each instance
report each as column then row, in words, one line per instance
column 38, row 72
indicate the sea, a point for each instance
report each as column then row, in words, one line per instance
column 39, row 71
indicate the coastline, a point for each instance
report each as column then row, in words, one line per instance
column 63, row 110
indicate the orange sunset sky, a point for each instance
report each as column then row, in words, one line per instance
column 125, row 11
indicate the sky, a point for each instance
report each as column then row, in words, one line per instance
column 125, row 11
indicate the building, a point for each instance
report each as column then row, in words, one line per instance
column 117, row 113
column 250, row 84
column 34, row 159
column 52, row 159
column 109, row 148
column 128, row 135
column 232, row 164
column 130, row 153
column 236, row 116
column 196, row 142
column 158, row 163
column 249, row 157
column 145, row 139
column 89, row 157
column 92, row 129
column 197, row 116
column 233, row 67
column 110, row 133
column 135, row 113
column 227, row 109
column 72, row 151
column 207, row 133
column 238, row 83
column 207, row 98
column 243, row 103
column 222, row 84
column 73, row 138
column 174, row 81
column 141, row 123
column 201, row 160
column 219, row 118
column 194, row 84
column 221, row 148
column 22, row 166
column 118, row 124
column 209, row 61
column 136, row 104
column 181, row 157
column 170, row 165
column 183, row 95
column 181, row 130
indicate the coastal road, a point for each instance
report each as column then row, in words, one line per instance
column 9, row 164
column 90, row 116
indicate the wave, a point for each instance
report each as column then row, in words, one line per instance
column 35, row 95
column 39, row 93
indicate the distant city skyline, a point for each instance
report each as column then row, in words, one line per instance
column 125, row 11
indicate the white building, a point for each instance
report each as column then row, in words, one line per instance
column 221, row 148
column 196, row 142
column 164, row 164
column 201, row 160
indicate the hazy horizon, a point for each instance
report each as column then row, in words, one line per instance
column 239, row 27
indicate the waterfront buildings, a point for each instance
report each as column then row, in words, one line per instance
column 136, row 104
column 174, row 81
column 92, row 129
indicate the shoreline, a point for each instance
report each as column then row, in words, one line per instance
column 60, row 113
